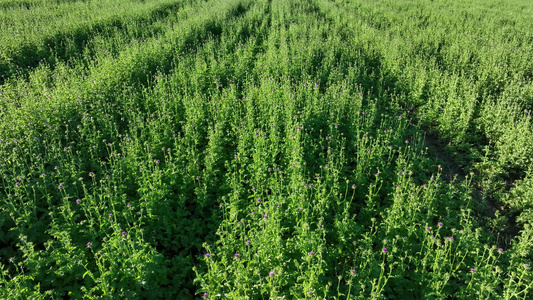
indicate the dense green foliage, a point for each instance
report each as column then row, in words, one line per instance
column 257, row 149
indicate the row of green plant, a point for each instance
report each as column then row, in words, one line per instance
column 70, row 119
column 63, row 32
column 29, row 4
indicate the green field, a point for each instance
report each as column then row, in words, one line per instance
column 266, row 149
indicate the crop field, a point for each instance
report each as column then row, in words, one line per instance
column 266, row 149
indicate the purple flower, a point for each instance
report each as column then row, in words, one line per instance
column 501, row 250
column 258, row 199
column 248, row 242
column 205, row 294
column 78, row 200
column 60, row 186
column 271, row 273
column 311, row 253
column 110, row 214
column 309, row 293
column 440, row 224
column 123, row 232
column 472, row 270
column 327, row 165
column 236, row 254
column 527, row 265
column 207, row 255
column 353, row 186
column 428, row 228
column 91, row 173
column 265, row 216
column 88, row 243
column 384, row 249
column 17, row 183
